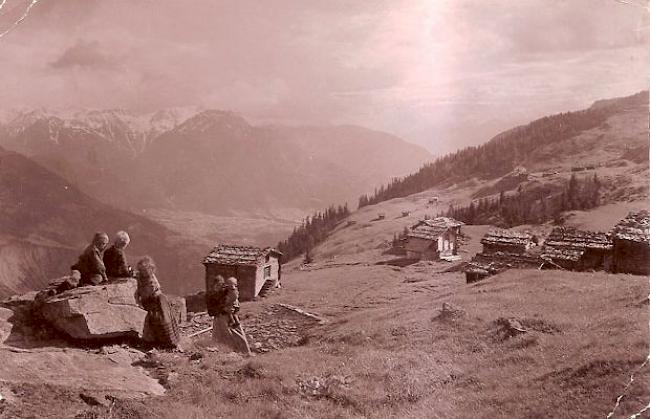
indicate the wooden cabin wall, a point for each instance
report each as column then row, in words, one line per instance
column 631, row 257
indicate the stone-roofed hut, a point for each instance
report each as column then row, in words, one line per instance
column 433, row 239
column 507, row 241
column 578, row 250
column 253, row 267
column 631, row 242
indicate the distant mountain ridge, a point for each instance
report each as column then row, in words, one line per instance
column 130, row 130
column 210, row 161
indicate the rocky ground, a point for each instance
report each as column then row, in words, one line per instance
column 275, row 327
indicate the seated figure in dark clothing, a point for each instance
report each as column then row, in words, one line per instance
column 90, row 264
column 114, row 259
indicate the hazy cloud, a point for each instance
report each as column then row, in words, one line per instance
column 444, row 73
column 85, row 54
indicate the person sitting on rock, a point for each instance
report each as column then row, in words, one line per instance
column 114, row 259
column 226, row 327
column 90, row 264
column 160, row 327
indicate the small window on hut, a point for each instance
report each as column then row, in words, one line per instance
column 267, row 271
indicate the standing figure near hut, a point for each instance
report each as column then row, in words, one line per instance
column 114, row 259
column 226, row 327
column 160, row 326
column 214, row 295
column 90, row 264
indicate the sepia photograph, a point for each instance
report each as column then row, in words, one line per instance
column 338, row 209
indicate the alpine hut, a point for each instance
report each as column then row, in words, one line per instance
column 434, row 239
column 254, row 268
column 507, row 241
column 578, row 250
column 631, row 241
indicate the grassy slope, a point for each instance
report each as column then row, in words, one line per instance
column 587, row 334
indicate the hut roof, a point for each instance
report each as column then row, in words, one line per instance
column 507, row 237
column 446, row 221
column 440, row 222
column 571, row 238
column 227, row 254
column 434, row 228
column 634, row 227
column 570, row 244
column 427, row 232
column 555, row 253
column 499, row 261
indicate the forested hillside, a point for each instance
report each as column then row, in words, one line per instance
column 311, row 232
column 535, row 205
column 506, row 151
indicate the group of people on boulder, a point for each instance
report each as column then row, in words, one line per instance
column 99, row 264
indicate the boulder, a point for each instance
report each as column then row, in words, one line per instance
column 96, row 312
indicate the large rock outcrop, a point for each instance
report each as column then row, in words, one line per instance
column 96, row 312
column 109, row 372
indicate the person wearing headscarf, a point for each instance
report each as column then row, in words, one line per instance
column 226, row 327
column 90, row 264
column 160, row 327
column 114, row 258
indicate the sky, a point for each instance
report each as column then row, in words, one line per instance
column 441, row 73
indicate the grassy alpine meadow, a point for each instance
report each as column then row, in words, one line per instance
column 388, row 350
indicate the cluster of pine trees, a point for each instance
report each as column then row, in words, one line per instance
column 535, row 206
column 493, row 159
column 313, row 231
column 400, row 239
